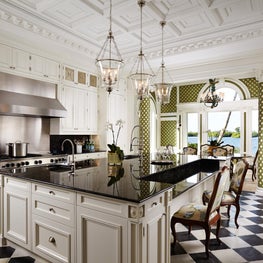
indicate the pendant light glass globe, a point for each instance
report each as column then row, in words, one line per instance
column 141, row 72
column 162, row 82
column 109, row 60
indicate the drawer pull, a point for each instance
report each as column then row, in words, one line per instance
column 154, row 204
column 52, row 192
column 52, row 240
column 52, row 210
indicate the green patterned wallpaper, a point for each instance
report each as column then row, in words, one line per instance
column 144, row 122
column 168, row 133
column 252, row 85
column 189, row 93
column 171, row 106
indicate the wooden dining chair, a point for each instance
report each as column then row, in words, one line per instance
column 238, row 170
column 204, row 150
column 202, row 215
column 252, row 165
column 188, row 150
column 219, row 151
column 230, row 149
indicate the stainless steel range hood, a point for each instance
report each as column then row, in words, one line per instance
column 27, row 97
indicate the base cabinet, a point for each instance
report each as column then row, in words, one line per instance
column 53, row 241
column 17, row 212
column 101, row 237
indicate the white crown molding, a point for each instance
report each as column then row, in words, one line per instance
column 77, row 43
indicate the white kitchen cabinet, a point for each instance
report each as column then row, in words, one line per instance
column 44, row 67
column 81, row 105
column 53, row 220
column 14, row 60
column 155, row 231
column 53, row 241
column 102, row 237
column 17, row 211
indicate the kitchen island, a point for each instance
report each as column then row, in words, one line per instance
column 103, row 213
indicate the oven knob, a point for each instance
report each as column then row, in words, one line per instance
column 18, row 165
column 56, row 160
column 36, row 162
column 51, row 160
column 39, row 161
column 27, row 163
column 7, row 165
column 12, row 164
column 22, row 163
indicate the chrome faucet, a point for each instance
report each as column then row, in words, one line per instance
column 72, row 163
column 139, row 139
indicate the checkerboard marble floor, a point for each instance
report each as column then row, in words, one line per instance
column 244, row 244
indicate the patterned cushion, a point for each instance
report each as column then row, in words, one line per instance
column 228, row 197
column 192, row 211
column 238, row 169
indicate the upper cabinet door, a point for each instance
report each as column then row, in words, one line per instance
column 45, row 68
column 13, row 59
column 5, row 56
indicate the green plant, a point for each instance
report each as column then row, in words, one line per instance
column 212, row 141
column 116, row 149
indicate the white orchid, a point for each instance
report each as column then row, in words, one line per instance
column 119, row 124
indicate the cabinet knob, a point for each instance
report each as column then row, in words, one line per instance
column 52, row 210
column 52, row 192
column 154, row 204
column 52, row 240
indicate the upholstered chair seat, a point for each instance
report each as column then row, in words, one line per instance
column 201, row 215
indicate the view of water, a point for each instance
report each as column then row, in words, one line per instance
column 232, row 141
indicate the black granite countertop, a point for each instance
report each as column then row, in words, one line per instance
column 134, row 180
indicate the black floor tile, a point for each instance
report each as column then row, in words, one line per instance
column 255, row 228
column 201, row 257
column 6, row 252
column 249, row 253
column 256, row 220
column 252, row 240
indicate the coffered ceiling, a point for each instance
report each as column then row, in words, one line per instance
column 195, row 30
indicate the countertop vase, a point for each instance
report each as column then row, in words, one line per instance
column 113, row 159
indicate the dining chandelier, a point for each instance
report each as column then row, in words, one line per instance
column 162, row 82
column 109, row 60
column 141, row 72
column 211, row 98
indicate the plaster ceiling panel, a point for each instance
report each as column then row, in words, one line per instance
column 241, row 12
column 67, row 12
column 193, row 22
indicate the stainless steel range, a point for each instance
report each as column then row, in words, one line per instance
column 30, row 160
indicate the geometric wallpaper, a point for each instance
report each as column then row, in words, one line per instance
column 252, row 85
column 168, row 133
column 189, row 93
column 171, row 106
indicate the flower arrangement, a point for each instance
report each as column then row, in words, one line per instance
column 113, row 147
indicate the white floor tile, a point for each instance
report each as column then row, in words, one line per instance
column 228, row 255
column 200, row 234
column 241, row 231
column 234, row 242
column 193, row 246
column 185, row 258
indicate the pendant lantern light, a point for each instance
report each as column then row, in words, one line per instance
column 109, row 60
column 141, row 72
column 162, row 82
